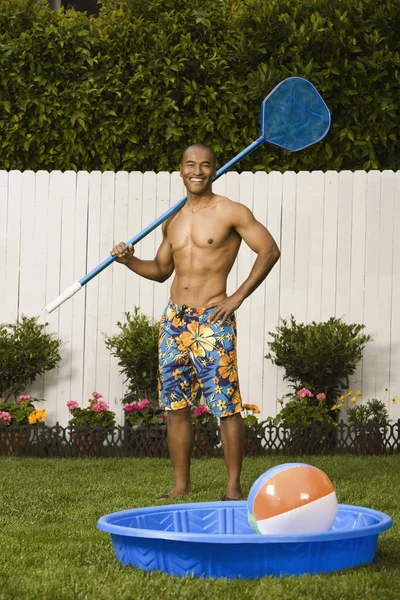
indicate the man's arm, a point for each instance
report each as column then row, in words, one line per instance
column 258, row 238
column 159, row 269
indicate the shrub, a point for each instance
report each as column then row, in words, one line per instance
column 318, row 356
column 136, row 348
column 373, row 413
column 25, row 352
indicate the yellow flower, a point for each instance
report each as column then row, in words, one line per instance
column 37, row 415
column 335, row 407
column 222, row 405
column 341, row 398
column 394, row 399
column 349, row 393
column 42, row 414
column 358, row 393
column 354, row 399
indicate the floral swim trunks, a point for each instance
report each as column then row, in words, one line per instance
column 197, row 359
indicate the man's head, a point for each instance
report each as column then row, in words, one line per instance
column 203, row 147
column 198, row 167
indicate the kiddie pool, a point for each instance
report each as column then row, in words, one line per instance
column 214, row 539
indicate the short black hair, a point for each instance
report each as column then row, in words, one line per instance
column 203, row 147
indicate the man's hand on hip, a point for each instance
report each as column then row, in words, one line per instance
column 223, row 309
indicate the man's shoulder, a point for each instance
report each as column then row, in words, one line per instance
column 226, row 203
column 232, row 209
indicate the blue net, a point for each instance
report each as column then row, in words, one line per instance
column 294, row 116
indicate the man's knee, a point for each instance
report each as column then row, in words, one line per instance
column 179, row 416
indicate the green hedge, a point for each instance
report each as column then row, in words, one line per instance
column 130, row 89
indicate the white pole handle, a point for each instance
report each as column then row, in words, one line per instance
column 68, row 293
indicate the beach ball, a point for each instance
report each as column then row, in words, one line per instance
column 293, row 498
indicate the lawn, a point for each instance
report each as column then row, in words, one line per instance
column 51, row 548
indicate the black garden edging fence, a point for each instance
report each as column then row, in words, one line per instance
column 151, row 441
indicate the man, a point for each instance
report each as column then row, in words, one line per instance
column 197, row 347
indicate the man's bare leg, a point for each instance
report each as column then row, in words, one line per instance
column 180, row 446
column 232, row 438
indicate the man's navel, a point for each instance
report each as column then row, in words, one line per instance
column 210, row 241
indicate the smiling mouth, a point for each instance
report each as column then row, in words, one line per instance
column 196, row 180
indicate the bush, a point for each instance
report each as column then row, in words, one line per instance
column 136, row 348
column 303, row 413
column 129, row 90
column 25, row 352
column 373, row 413
column 318, row 356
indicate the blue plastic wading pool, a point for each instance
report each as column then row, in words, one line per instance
column 214, row 539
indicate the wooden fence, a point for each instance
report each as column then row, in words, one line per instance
column 339, row 235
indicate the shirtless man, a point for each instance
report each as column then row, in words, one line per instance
column 197, row 347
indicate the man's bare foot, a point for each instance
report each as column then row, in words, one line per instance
column 175, row 493
column 233, row 493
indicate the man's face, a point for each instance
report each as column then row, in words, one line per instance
column 197, row 170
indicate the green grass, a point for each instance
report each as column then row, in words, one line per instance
column 51, row 548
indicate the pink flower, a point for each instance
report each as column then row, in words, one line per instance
column 96, row 395
column 304, row 393
column 99, row 406
column 5, row 417
column 199, row 410
column 144, row 404
column 72, row 405
column 321, row 396
column 22, row 399
column 130, row 407
column 164, row 417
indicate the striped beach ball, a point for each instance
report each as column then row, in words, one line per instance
column 292, row 498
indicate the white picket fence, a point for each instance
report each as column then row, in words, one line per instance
column 339, row 235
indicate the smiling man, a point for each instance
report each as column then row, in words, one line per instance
column 197, row 344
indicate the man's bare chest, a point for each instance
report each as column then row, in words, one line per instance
column 199, row 231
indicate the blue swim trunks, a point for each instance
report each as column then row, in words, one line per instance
column 197, row 359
